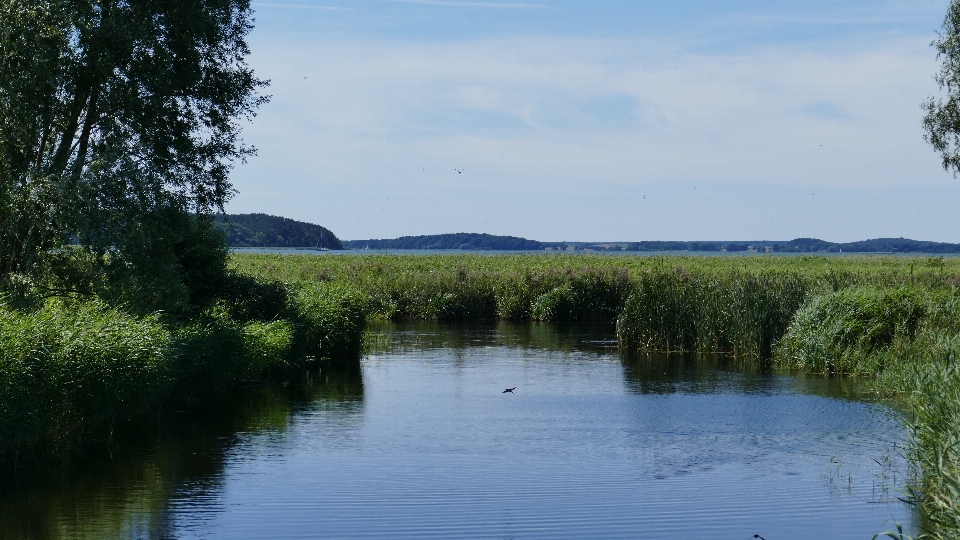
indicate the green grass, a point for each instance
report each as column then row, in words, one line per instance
column 65, row 369
column 734, row 311
column 845, row 332
column 923, row 373
column 738, row 305
column 71, row 367
column 331, row 320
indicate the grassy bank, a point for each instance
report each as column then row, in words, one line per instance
column 72, row 367
column 739, row 305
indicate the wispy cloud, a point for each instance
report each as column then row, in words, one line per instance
column 299, row 6
column 529, row 113
column 474, row 4
column 440, row 3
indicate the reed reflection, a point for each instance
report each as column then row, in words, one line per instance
column 398, row 337
column 668, row 373
column 124, row 487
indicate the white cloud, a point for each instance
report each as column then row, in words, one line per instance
column 563, row 115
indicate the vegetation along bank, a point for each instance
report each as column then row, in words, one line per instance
column 893, row 319
column 77, row 366
column 119, row 125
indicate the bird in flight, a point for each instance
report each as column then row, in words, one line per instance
column 458, row 171
column 510, row 390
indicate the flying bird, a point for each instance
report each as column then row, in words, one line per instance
column 510, row 390
column 458, row 171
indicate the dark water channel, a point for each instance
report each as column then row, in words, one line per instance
column 422, row 443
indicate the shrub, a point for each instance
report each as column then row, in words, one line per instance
column 72, row 367
column 268, row 347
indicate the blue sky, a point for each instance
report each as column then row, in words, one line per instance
column 599, row 120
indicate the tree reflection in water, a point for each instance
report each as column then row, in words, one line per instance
column 124, row 487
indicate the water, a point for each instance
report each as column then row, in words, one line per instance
column 423, row 443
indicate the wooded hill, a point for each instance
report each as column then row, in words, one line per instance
column 262, row 230
column 468, row 241
column 450, row 241
column 814, row 245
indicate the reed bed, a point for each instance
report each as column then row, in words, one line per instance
column 733, row 311
column 845, row 332
column 740, row 305
column 72, row 367
column 64, row 369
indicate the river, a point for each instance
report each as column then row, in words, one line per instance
column 420, row 441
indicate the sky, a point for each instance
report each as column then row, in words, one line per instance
column 599, row 120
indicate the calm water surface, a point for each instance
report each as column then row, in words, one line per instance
column 420, row 442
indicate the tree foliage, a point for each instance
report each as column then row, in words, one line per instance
column 119, row 121
column 942, row 121
column 262, row 230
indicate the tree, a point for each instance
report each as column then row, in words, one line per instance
column 942, row 121
column 118, row 119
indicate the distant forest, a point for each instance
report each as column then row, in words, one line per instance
column 450, row 241
column 814, row 245
column 468, row 241
column 262, row 230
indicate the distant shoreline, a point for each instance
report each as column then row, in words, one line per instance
column 283, row 250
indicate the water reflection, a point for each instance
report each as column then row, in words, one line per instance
column 393, row 337
column 123, row 488
column 660, row 373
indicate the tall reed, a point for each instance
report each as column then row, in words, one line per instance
column 739, row 312
column 740, row 305
column 843, row 332
column 908, row 340
column 69, row 367
column 64, row 369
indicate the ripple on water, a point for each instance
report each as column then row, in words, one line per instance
column 423, row 444
column 580, row 451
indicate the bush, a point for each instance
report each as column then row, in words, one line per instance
column 209, row 355
column 268, row 348
column 247, row 298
